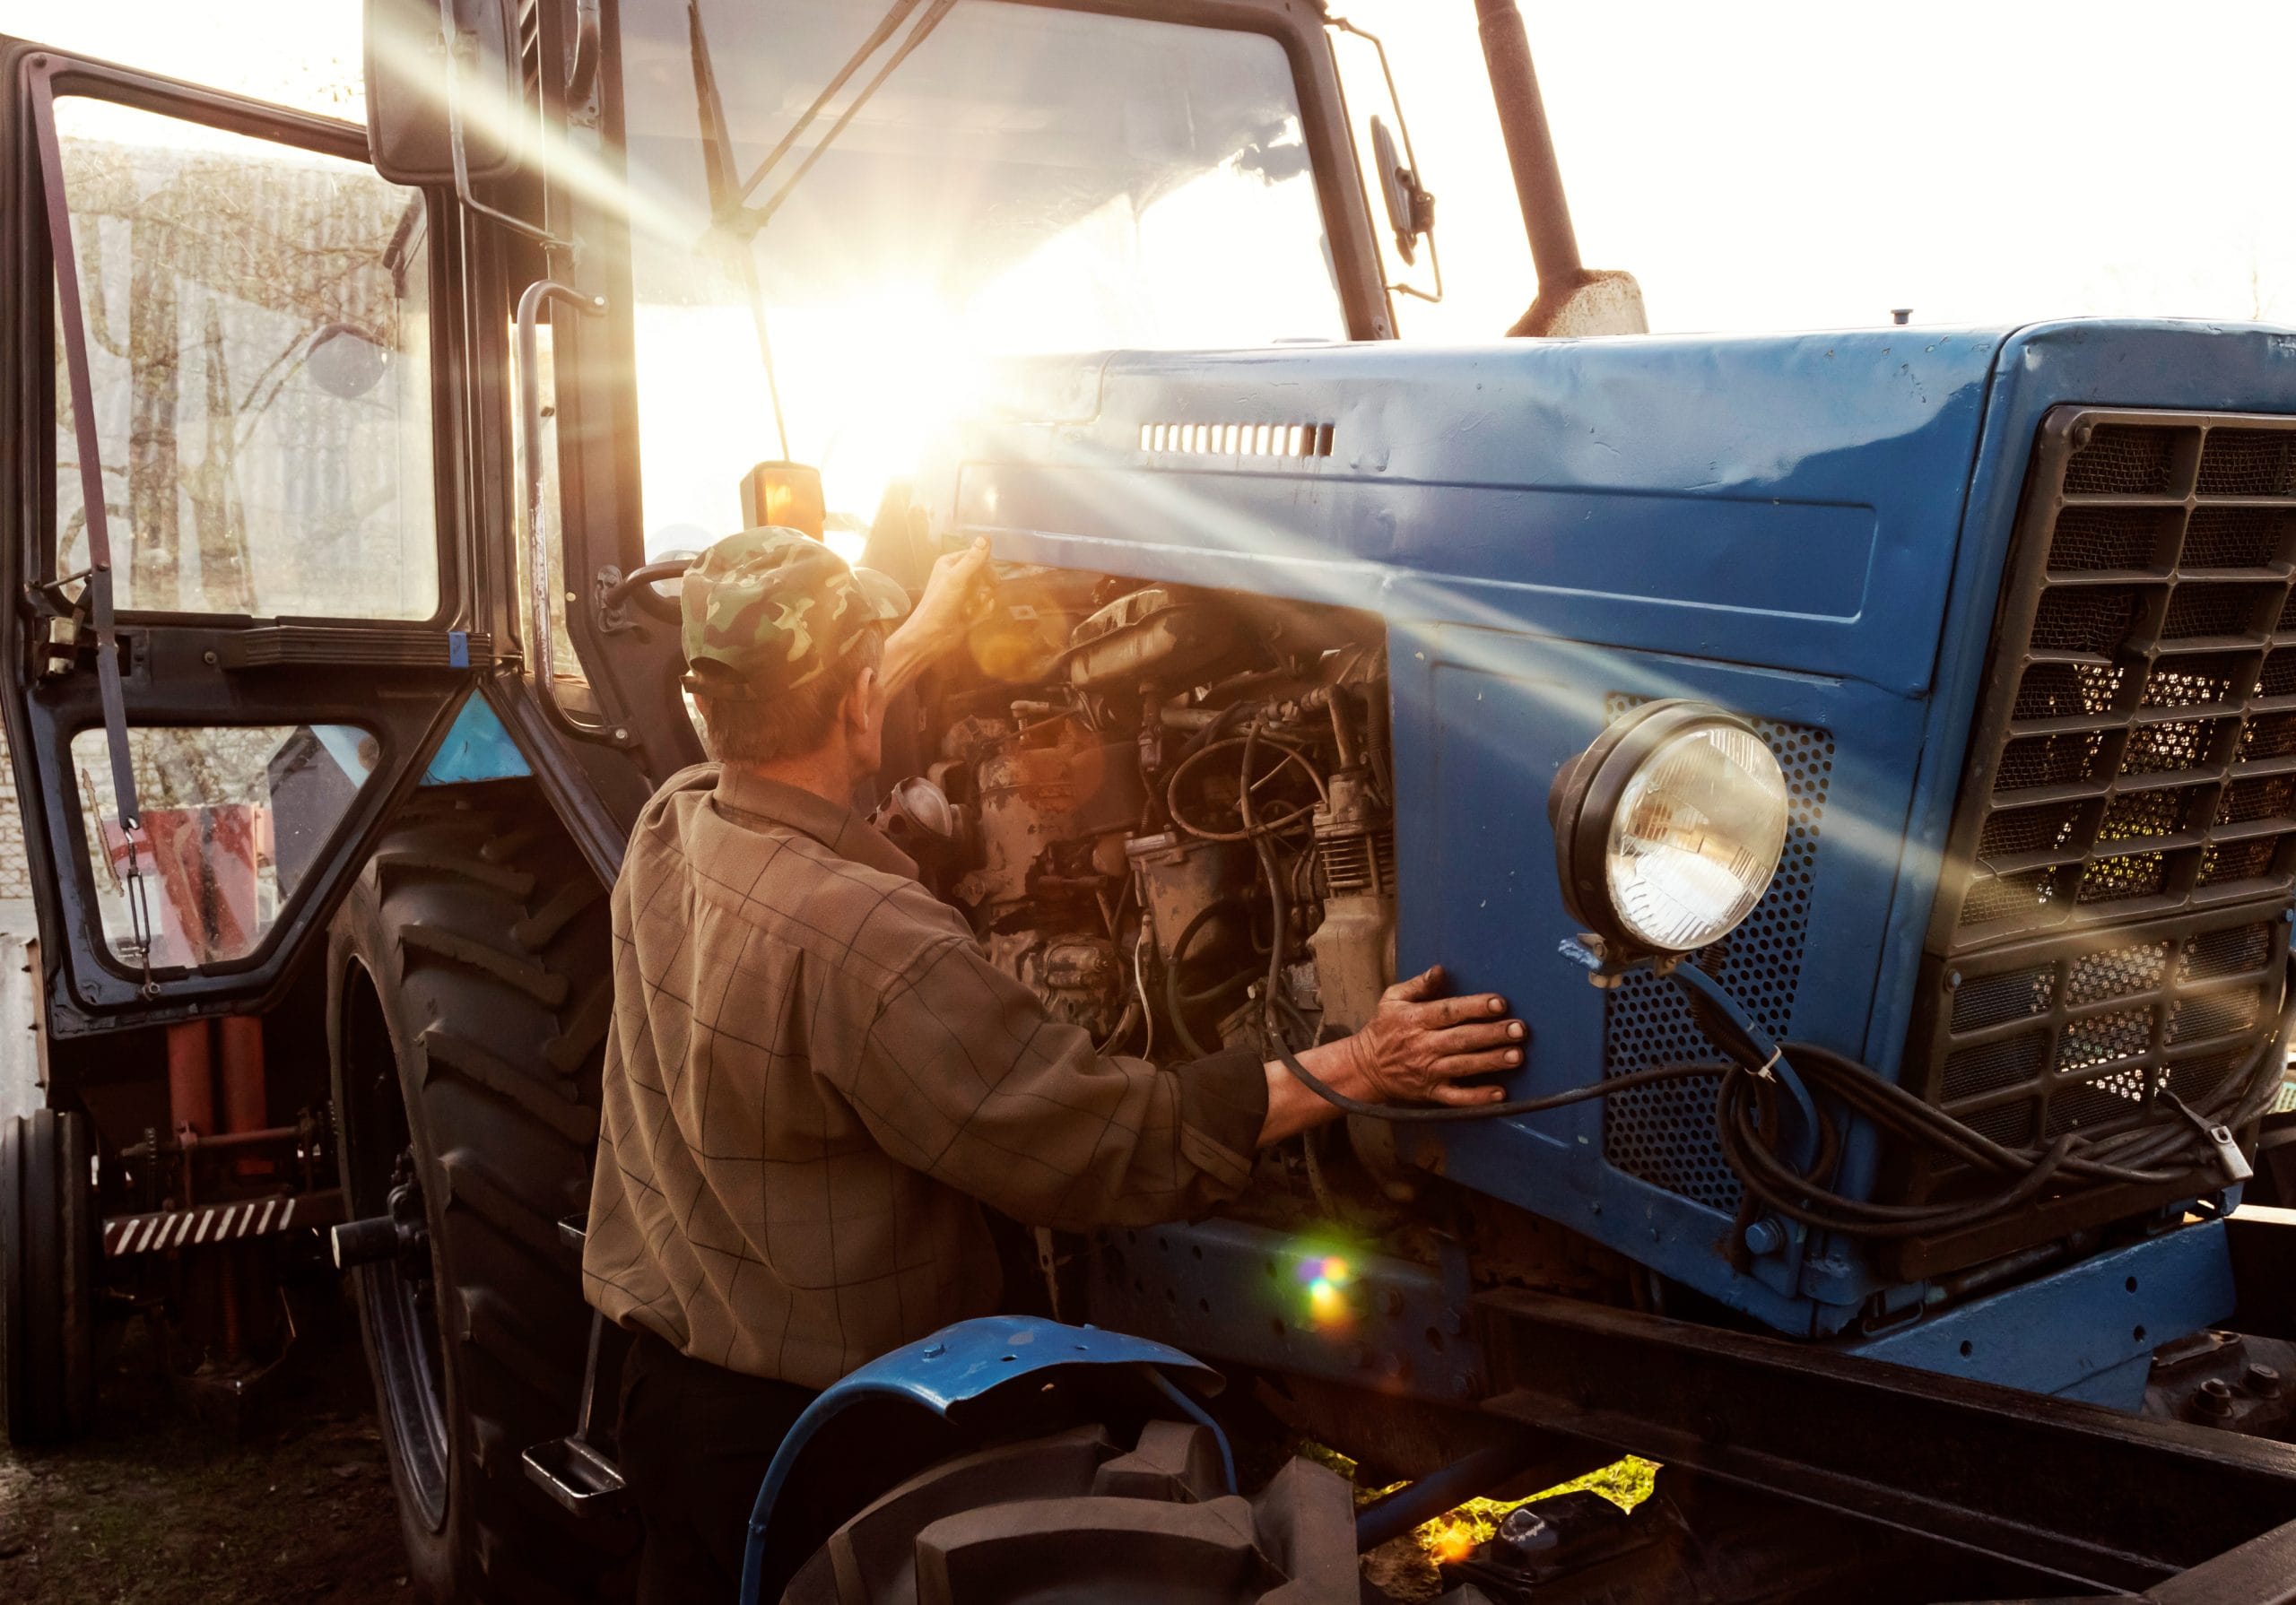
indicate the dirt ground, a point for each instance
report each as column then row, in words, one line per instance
column 155, row 1508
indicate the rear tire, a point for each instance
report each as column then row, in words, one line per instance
column 47, row 1262
column 469, row 991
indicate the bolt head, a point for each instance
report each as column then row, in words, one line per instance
column 1763, row 1238
column 2264, row 1380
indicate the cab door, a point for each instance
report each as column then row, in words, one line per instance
column 236, row 623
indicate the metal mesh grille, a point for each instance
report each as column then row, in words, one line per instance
column 2125, row 841
column 2122, row 460
column 1664, row 1134
column 2089, row 1036
column 2156, row 563
column 2090, row 539
column 2237, row 461
column 2235, row 537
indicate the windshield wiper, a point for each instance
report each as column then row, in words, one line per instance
column 736, row 224
column 746, row 221
column 717, row 171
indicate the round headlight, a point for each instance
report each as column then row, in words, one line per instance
column 1668, row 828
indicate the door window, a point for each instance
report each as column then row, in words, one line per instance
column 233, row 819
column 257, row 345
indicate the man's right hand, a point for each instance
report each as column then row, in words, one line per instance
column 1415, row 1049
column 959, row 592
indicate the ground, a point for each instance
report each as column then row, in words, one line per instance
column 155, row 1508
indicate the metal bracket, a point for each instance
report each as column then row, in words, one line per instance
column 450, row 33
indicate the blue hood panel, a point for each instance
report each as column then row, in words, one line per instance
column 1779, row 500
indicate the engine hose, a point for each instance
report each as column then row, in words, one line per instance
column 1174, row 998
column 1250, row 741
column 2132, row 1157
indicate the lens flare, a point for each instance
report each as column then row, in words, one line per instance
column 1325, row 1277
column 1454, row 1543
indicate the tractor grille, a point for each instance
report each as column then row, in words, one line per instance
column 2107, row 923
column 2139, row 751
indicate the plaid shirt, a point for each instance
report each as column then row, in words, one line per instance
column 814, row 1074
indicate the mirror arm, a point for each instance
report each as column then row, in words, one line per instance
column 450, row 32
column 1411, row 161
column 542, row 649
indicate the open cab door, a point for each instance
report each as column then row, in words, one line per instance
column 236, row 624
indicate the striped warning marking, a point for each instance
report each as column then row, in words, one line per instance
column 163, row 1229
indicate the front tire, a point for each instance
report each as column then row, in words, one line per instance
column 469, row 995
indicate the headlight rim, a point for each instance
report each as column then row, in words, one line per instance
column 1585, row 798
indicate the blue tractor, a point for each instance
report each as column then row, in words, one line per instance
column 1866, row 759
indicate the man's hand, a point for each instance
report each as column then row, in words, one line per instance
column 1415, row 1049
column 958, row 594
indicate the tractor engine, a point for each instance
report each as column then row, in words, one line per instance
column 1167, row 810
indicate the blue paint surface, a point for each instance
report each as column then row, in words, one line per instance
column 2086, row 1331
column 476, row 748
column 1809, row 529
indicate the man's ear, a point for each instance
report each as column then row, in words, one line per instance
column 860, row 708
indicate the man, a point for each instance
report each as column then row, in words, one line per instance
column 815, row 1078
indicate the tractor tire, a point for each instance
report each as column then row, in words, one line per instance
column 469, row 992
column 1074, row 1516
column 48, row 1254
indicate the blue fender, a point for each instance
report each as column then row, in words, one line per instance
column 963, row 1363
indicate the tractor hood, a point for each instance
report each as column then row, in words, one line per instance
column 1811, row 530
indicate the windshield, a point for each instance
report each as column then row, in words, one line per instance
column 1027, row 180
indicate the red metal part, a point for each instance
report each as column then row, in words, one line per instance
column 244, row 1092
column 191, row 1082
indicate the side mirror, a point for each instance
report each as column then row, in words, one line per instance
column 415, row 110
column 1410, row 208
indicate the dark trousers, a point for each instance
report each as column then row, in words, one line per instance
column 695, row 1441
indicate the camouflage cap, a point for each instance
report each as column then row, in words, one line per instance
column 768, row 609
